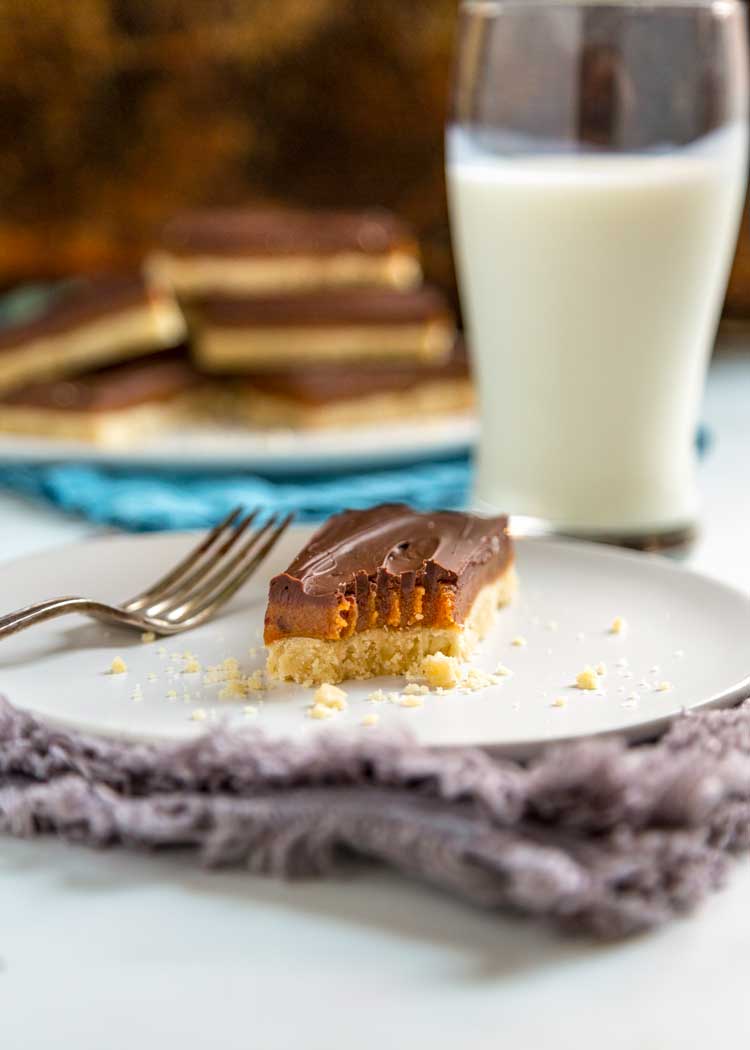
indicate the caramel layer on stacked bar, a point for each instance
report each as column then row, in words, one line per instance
column 89, row 323
column 375, row 591
column 240, row 335
column 256, row 252
column 327, row 395
column 111, row 406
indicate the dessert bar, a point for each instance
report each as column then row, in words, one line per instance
column 113, row 406
column 375, row 591
column 333, row 395
column 86, row 323
column 251, row 252
column 241, row 335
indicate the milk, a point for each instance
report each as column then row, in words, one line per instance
column 591, row 285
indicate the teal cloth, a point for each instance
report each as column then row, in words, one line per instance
column 147, row 501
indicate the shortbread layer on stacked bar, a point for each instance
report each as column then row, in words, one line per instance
column 327, row 395
column 255, row 252
column 89, row 322
column 237, row 335
column 376, row 591
column 113, row 406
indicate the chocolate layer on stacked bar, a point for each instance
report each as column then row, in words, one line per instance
column 377, row 590
column 255, row 252
column 112, row 406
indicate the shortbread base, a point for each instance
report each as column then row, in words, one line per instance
column 238, row 350
column 200, row 275
column 111, row 429
column 387, row 651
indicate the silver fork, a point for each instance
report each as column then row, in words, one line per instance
column 188, row 595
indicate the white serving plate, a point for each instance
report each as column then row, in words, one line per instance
column 683, row 628
column 264, row 451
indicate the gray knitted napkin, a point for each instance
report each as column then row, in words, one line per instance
column 596, row 836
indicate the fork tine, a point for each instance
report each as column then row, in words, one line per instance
column 180, row 591
column 229, row 582
column 179, row 570
column 220, row 571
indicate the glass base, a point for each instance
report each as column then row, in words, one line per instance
column 672, row 539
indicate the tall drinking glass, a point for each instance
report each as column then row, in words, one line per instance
column 596, row 164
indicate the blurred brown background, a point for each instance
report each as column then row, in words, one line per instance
column 114, row 113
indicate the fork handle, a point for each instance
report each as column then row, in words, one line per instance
column 54, row 607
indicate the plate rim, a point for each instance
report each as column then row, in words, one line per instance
column 641, row 732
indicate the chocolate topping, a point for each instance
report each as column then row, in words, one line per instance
column 387, row 566
column 109, row 389
column 320, row 384
column 364, row 306
column 247, row 232
column 76, row 302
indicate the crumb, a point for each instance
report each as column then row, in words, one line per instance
column 617, row 626
column 502, row 671
column 162, row 651
column 330, row 696
column 377, row 697
column 622, row 662
column 412, row 689
column 519, row 641
column 559, row 701
column 239, row 687
column 118, row 666
column 633, row 698
column 601, row 668
column 663, row 687
column 249, row 710
column 654, row 669
column 192, row 666
column 370, row 720
column 172, row 694
column 148, row 636
column 586, row 679
column 411, row 701
column 319, row 711
column 473, row 680
column 198, row 715
column 227, row 670
column 552, row 625
column 151, row 676
column 440, row 670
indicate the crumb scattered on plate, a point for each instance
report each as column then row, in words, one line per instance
column 118, row 666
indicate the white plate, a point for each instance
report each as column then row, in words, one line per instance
column 683, row 628
column 268, row 452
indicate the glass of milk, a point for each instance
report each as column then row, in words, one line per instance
column 596, row 165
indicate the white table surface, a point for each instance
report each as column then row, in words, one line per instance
column 113, row 951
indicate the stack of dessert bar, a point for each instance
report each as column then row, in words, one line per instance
column 320, row 318
column 262, row 318
column 96, row 362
